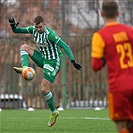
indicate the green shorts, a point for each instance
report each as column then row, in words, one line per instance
column 50, row 67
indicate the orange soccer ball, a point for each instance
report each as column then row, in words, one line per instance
column 28, row 73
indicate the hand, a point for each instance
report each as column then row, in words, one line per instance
column 76, row 65
column 12, row 22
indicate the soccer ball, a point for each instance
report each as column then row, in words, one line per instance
column 28, row 73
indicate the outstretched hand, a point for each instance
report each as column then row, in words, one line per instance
column 12, row 22
column 76, row 65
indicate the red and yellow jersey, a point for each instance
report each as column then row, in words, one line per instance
column 114, row 42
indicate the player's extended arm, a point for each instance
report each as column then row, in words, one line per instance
column 20, row 30
column 66, row 48
column 68, row 51
column 14, row 27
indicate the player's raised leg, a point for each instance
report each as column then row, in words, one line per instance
column 25, row 52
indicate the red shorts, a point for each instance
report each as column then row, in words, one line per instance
column 121, row 105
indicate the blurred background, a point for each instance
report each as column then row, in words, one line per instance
column 75, row 21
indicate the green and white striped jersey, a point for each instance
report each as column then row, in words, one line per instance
column 46, row 42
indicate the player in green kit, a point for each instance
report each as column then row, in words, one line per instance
column 47, row 57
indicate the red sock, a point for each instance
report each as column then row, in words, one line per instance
column 124, row 131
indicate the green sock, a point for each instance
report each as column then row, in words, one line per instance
column 50, row 101
column 24, row 58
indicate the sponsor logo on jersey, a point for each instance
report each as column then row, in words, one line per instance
column 43, row 44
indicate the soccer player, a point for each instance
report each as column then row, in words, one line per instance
column 47, row 57
column 113, row 45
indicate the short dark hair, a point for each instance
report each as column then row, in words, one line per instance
column 38, row 19
column 110, row 8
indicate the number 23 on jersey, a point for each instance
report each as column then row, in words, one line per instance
column 125, row 52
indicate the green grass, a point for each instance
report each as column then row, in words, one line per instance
column 69, row 121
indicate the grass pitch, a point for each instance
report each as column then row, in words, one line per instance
column 69, row 121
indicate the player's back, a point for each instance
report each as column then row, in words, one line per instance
column 118, row 53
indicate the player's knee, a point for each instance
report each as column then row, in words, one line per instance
column 28, row 49
column 24, row 47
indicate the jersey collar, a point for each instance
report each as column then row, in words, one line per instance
column 112, row 23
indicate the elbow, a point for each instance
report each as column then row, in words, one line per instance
column 96, row 67
column 97, row 64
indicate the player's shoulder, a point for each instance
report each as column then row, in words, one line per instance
column 128, row 26
column 30, row 28
column 125, row 25
column 49, row 31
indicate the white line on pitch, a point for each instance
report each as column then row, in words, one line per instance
column 73, row 118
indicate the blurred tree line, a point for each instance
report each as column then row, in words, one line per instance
column 68, row 17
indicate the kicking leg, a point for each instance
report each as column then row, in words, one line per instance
column 25, row 52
